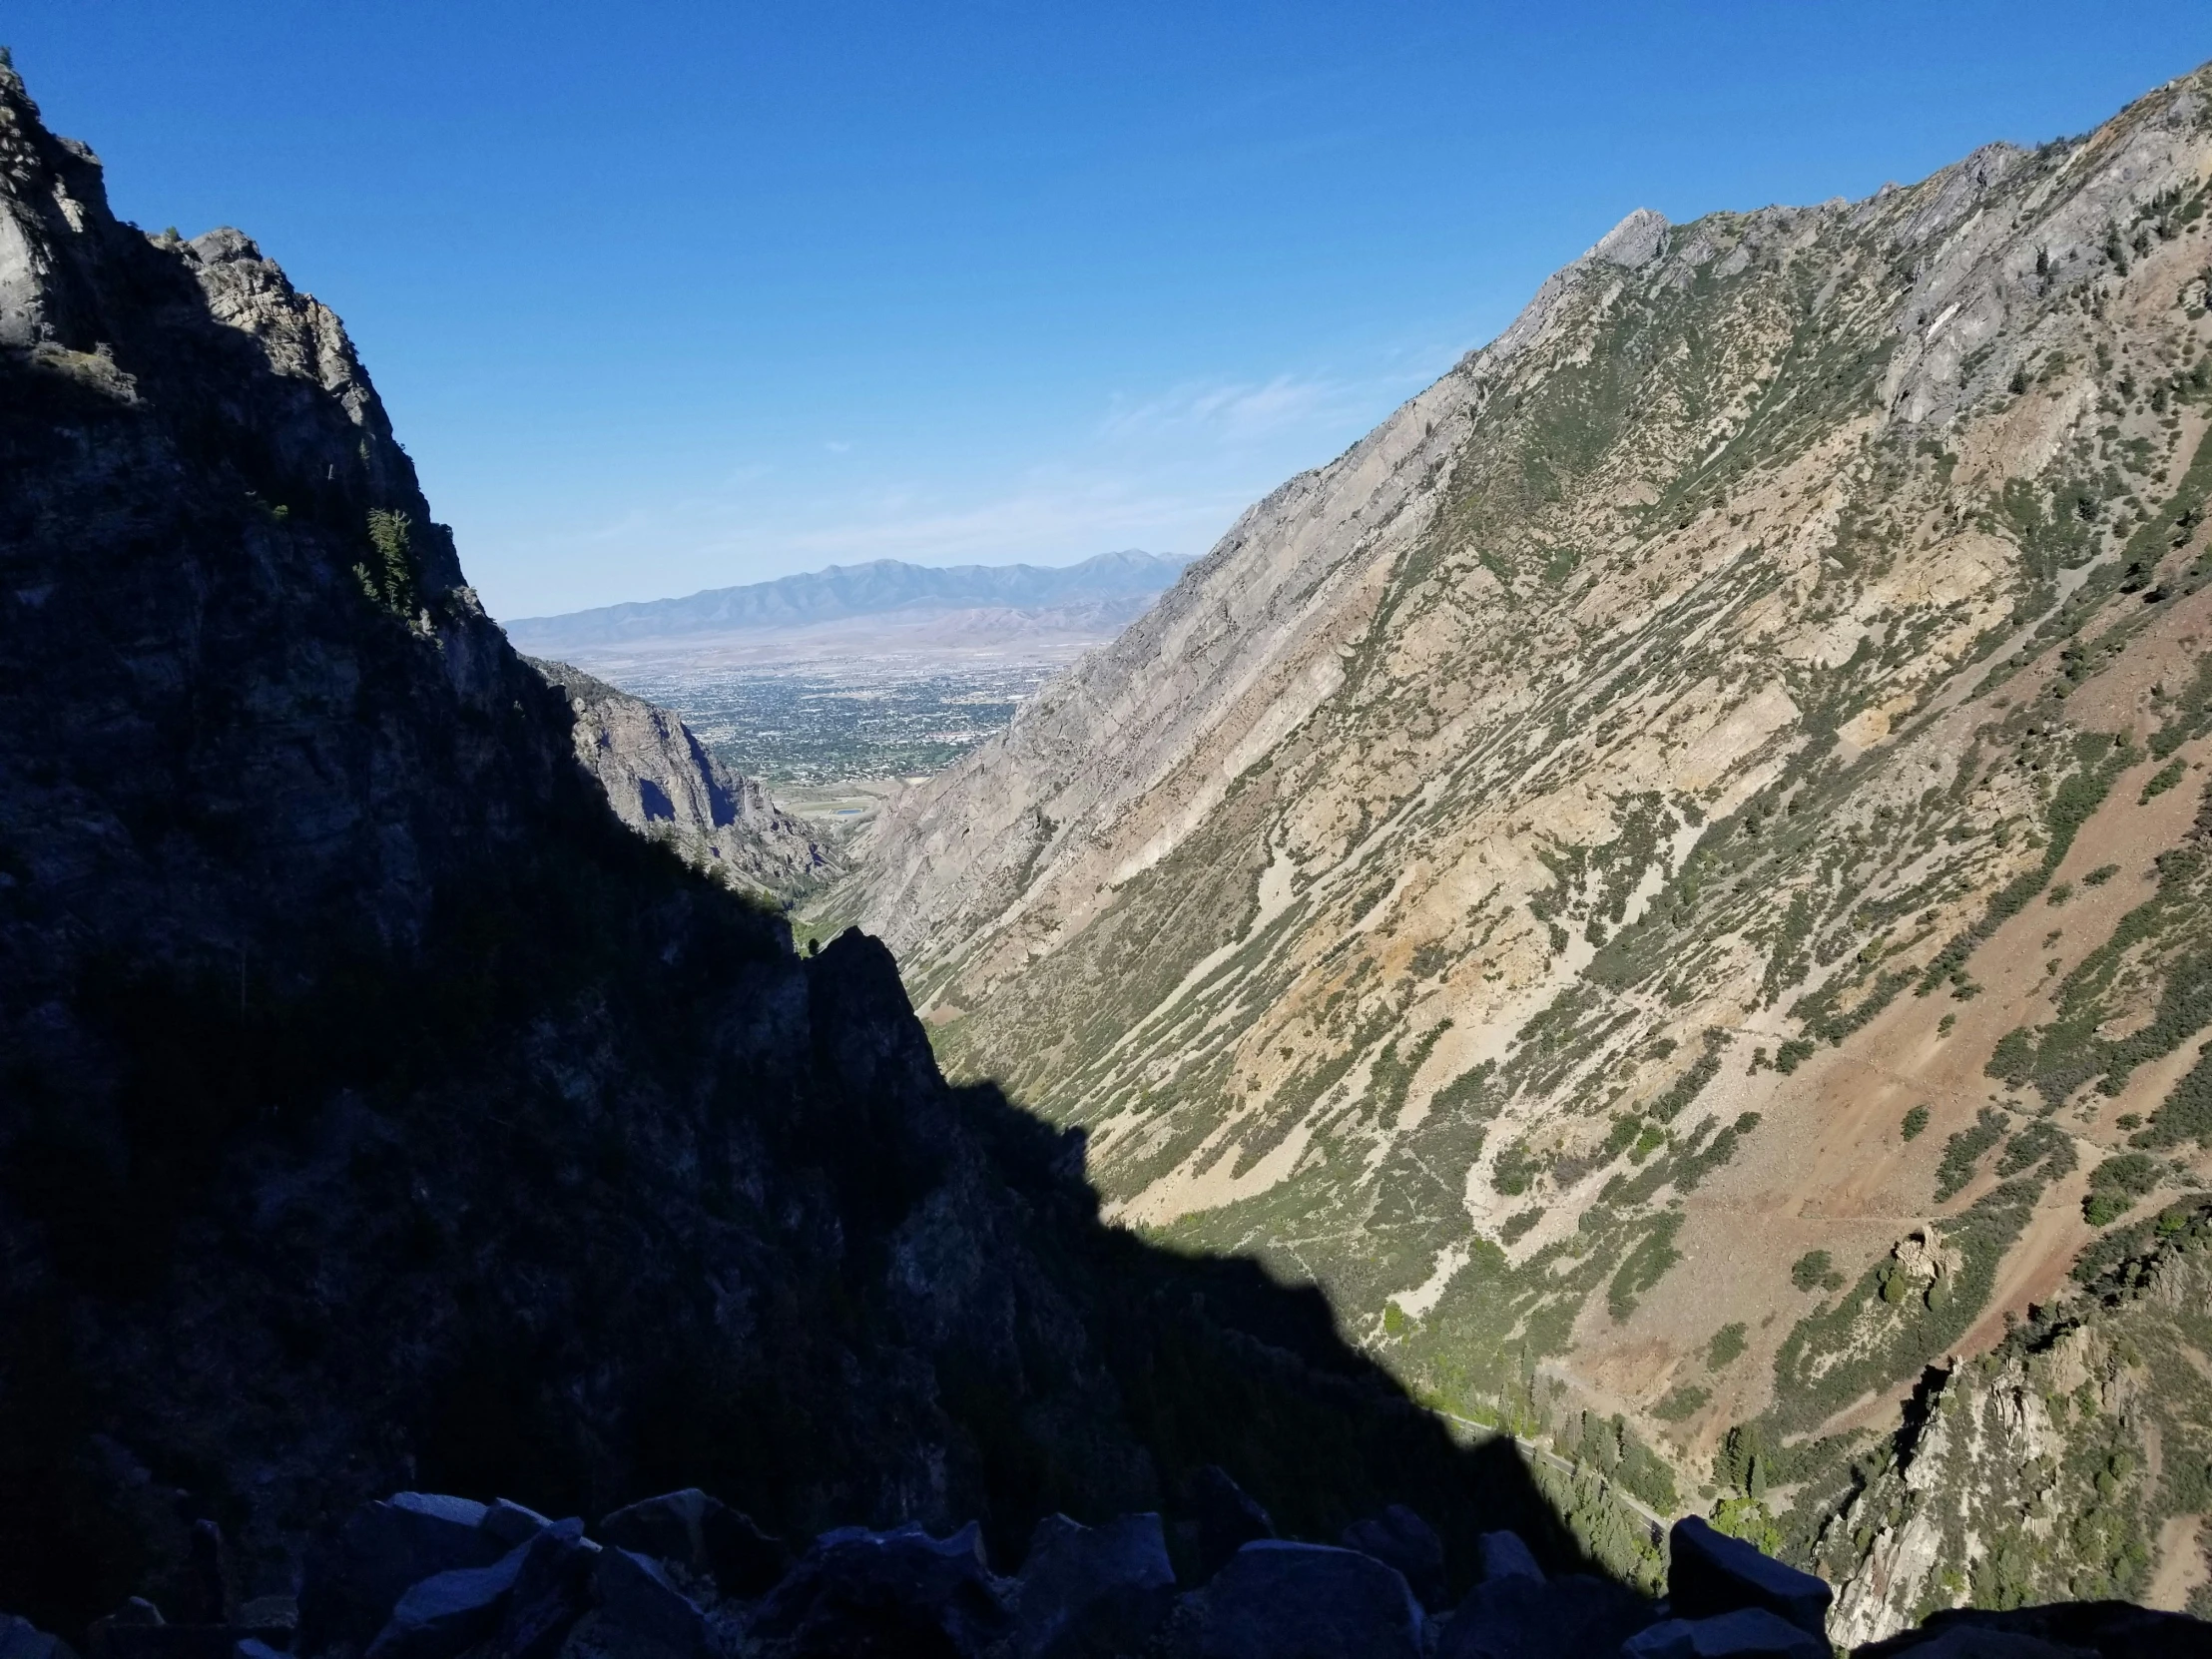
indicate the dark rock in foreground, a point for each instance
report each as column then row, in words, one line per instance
column 1282, row 1600
column 656, row 1584
column 1408, row 1543
column 1088, row 1592
column 1709, row 1572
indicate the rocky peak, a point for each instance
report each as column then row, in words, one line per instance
column 1634, row 243
column 54, row 200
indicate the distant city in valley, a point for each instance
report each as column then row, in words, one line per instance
column 858, row 673
column 856, row 718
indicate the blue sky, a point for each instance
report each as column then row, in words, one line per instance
column 671, row 296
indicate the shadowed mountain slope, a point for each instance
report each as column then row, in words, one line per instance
column 378, row 1111
column 1669, row 879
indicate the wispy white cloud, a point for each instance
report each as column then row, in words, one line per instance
column 1167, row 473
column 1225, row 412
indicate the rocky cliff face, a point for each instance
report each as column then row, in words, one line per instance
column 379, row 1111
column 664, row 784
column 1669, row 878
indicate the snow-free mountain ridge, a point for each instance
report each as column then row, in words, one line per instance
column 878, row 587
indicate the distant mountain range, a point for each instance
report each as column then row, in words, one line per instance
column 878, row 588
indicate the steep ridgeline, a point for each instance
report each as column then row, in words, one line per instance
column 1670, row 878
column 663, row 783
column 376, row 1110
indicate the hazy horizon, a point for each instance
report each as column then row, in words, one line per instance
column 680, row 297
column 1067, row 563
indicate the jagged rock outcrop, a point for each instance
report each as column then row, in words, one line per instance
column 376, row 1110
column 666, row 785
column 1724, row 763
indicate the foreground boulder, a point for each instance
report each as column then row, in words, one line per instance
column 1281, row 1601
column 1226, row 1518
column 1520, row 1613
column 449, row 1612
column 702, row 1536
column 1709, row 1572
column 2060, row 1630
column 1505, row 1555
column 1408, row 1543
column 1089, row 1591
column 857, row 1592
column 352, row 1583
column 635, row 1594
column 1747, row 1633
column 552, row 1590
column 20, row 1639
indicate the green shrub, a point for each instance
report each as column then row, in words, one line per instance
column 2014, row 1058
column 2102, row 1208
column 1965, row 1149
column 1514, row 1170
column 2186, row 1112
column 2163, row 780
column 1811, row 1269
column 1792, row 1054
column 389, row 580
column 1681, row 1402
column 1644, row 1266
column 1718, row 1151
column 1727, row 1345
column 1916, row 1120
column 1518, row 1224
column 1683, row 1089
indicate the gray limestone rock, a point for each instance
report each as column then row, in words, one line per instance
column 667, row 784
column 1634, row 243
